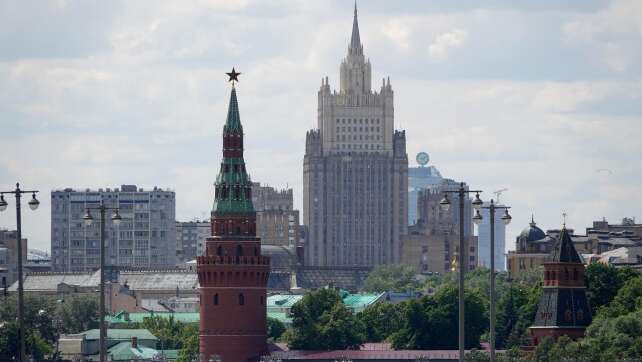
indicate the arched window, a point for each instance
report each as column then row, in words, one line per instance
column 239, row 250
column 216, row 299
column 241, row 299
column 248, row 193
column 237, row 192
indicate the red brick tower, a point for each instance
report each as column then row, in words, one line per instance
column 232, row 274
column 563, row 308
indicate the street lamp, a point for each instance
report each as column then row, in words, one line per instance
column 444, row 204
column 88, row 219
column 506, row 219
column 33, row 205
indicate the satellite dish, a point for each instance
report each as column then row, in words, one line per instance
column 422, row 158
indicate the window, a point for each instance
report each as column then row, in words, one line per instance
column 241, row 299
column 216, row 299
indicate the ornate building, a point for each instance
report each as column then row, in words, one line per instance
column 233, row 274
column 355, row 171
column 563, row 308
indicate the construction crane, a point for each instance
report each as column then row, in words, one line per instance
column 498, row 193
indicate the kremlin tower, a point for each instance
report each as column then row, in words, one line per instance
column 233, row 274
column 563, row 308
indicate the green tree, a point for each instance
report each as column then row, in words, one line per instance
column 391, row 278
column 603, row 282
column 381, row 320
column 627, row 299
column 190, row 345
column 321, row 321
column 275, row 328
column 431, row 322
column 515, row 313
column 78, row 313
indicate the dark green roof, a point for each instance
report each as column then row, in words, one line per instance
column 564, row 250
column 233, row 122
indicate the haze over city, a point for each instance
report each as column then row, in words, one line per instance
column 542, row 98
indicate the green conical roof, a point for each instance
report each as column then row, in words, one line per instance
column 233, row 122
column 233, row 184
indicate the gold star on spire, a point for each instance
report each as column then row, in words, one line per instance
column 234, row 76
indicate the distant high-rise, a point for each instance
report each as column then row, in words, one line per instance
column 9, row 256
column 277, row 223
column 484, row 239
column 146, row 237
column 355, row 171
column 419, row 178
column 190, row 239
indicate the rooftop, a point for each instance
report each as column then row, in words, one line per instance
column 120, row 334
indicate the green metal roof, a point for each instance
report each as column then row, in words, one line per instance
column 281, row 316
column 183, row 317
column 125, row 352
column 120, row 334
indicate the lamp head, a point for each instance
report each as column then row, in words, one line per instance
column 88, row 219
column 444, row 204
column 477, row 202
column 116, row 219
column 34, row 203
column 506, row 218
column 477, row 219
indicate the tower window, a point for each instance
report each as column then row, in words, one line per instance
column 216, row 299
column 241, row 299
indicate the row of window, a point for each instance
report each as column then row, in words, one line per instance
column 348, row 146
column 241, row 299
column 355, row 121
column 360, row 138
column 361, row 129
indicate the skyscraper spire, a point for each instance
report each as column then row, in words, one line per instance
column 355, row 42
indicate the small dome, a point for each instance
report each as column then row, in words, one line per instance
column 532, row 232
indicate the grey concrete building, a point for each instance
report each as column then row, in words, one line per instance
column 146, row 237
column 432, row 221
column 190, row 239
column 483, row 230
column 277, row 222
column 9, row 256
column 355, row 171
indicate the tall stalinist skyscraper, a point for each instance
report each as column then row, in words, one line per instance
column 355, row 170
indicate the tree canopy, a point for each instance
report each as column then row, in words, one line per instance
column 320, row 321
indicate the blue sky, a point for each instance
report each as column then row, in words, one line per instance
column 535, row 97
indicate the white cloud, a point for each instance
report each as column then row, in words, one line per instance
column 446, row 43
column 141, row 96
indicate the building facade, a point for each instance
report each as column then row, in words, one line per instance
column 190, row 239
column 355, row 171
column 9, row 257
column 438, row 224
column 420, row 178
column 146, row 237
column 233, row 274
column 277, row 222
column 483, row 232
column 533, row 246
column 426, row 253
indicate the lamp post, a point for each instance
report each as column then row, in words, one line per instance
column 33, row 205
column 116, row 219
column 506, row 218
column 463, row 262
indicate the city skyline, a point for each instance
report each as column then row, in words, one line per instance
column 142, row 100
